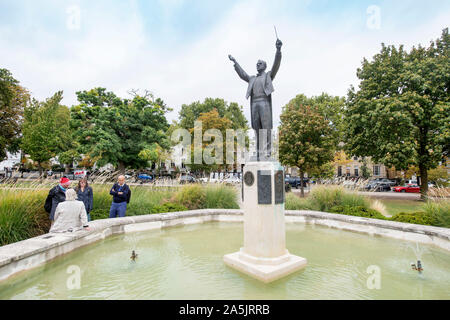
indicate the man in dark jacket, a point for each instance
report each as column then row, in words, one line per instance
column 57, row 195
column 120, row 192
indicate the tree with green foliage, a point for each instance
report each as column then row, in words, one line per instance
column 365, row 171
column 44, row 129
column 215, row 112
column 13, row 100
column 68, row 157
column 400, row 116
column 232, row 111
column 210, row 120
column 439, row 176
column 331, row 107
column 325, row 171
column 116, row 130
column 306, row 138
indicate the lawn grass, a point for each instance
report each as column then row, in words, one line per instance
column 394, row 206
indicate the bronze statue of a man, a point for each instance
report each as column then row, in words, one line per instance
column 260, row 90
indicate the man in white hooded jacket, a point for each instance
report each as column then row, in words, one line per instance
column 70, row 215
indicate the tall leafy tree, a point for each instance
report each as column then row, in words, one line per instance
column 13, row 99
column 44, row 129
column 210, row 120
column 400, row 116
column 232, row 111
column 214, row 112
column 331, row 107
column 306, row 138
column 116, row 130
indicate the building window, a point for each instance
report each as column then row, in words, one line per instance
column 183, row 166
column 339, row 171
column 356, row 171
column 355, row 158
column 347, row 172
column 376, row 170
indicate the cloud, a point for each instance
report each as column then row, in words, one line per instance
column 113, row 48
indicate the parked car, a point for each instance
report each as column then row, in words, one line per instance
column 294, row 182
column 370, row 185
column 382, row 186
column 143, row 177
column 187, row 179
column 384, row 180
column 79, row 174
column 232, row 180
column 412, row 188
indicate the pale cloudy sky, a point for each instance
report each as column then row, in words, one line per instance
column 178, row 49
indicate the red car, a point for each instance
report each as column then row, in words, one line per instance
column 409, row 188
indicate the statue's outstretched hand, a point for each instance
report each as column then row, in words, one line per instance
column 231, row 58
column 278, row 44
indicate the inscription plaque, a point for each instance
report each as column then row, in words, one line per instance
column 264, row 187
column 279, row 186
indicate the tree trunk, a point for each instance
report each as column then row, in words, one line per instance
column 301, row 183
column 40, row 170
column 66, row 168
column 423, row 181
column 121, row 168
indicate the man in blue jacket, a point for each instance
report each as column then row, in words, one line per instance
column 121, row 195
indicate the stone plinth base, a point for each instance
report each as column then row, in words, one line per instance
column 265, row 269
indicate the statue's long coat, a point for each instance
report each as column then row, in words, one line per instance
column 268, row 86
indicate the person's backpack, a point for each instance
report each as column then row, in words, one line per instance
column 129, row 195
column 48, row 203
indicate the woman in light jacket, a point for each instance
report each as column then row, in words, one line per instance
column 70, row 215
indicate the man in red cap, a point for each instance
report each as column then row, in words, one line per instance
column 56, row 195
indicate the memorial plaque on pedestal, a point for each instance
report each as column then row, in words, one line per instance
column 264, row 187
column 279, row 186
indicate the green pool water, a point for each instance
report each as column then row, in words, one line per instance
column 186, row 263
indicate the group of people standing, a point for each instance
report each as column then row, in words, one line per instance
column 69, row 209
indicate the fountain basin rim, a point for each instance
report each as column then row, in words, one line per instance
column 33, row 252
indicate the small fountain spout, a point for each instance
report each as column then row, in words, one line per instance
column 134, row 256
column 418, row 267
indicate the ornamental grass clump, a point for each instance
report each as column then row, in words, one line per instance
column 294, row 202
column 221, row 197
column 192, row 197
column 323, row 198
column 439, row 211
column 22, row 214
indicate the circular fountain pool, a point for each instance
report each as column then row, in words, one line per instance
column 187, row 263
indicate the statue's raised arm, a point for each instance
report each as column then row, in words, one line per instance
column 259, row 90
column 277, row 61
column 242, row 74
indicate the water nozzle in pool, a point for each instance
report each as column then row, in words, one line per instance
column 418, row 267
column 134, row 256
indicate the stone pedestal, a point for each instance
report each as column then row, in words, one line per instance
column 264, row 255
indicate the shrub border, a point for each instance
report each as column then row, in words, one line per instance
column 31, row 253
